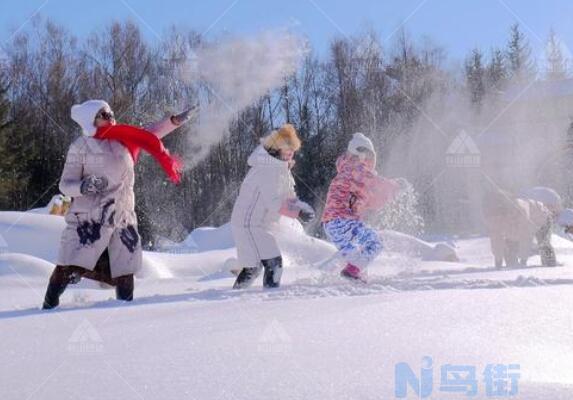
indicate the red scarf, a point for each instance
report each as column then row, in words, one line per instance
column 135, row 139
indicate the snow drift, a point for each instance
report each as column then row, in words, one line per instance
column 191, row 335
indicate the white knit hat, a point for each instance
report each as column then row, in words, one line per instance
column 360, row 140
column 84, row 114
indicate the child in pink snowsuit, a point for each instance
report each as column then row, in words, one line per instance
column 355, row 190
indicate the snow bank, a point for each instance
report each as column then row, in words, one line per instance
column 31, row 233
column 24, row 264
column 208, row 238
column 402, row 243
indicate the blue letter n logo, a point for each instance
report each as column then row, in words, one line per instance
column 404, row 377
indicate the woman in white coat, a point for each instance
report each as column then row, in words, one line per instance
column 266, row 193
column 512, row 224
column 101, row 240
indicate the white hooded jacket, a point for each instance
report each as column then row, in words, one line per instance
column 264, row 190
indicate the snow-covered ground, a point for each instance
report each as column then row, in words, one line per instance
column 189, row 336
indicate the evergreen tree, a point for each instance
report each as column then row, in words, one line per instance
column 497, row 73
column 475, row 77
column 556, row 64
column 521, row 66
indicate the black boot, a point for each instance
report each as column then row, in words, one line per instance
column 246, row 277
column 124, row 288
column 546, row 250
column 548, row 258
column 53, row 293
column 273, row 272
column 59, row 280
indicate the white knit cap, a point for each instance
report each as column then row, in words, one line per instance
column 360, row 140
column 84, row 114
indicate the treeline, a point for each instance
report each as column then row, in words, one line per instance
column 382, row 89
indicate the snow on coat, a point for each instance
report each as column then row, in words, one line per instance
column 265, row 189
column 106, row 220
column 356, row 188
column 549, row 197
column 518, row 221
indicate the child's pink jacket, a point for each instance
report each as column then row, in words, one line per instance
column 356, row 189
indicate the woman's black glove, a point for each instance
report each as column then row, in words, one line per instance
column 306, row 213
column 92, row 185
column 185, row 116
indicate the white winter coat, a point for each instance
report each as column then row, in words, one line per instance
column 265, row 189
column 106, row 220
column 519, row 224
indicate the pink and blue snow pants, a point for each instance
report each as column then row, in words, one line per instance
column 358, row 243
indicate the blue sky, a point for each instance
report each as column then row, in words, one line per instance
column 458, row 25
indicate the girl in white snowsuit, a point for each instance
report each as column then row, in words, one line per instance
column 101, row 240
column 267, row 192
